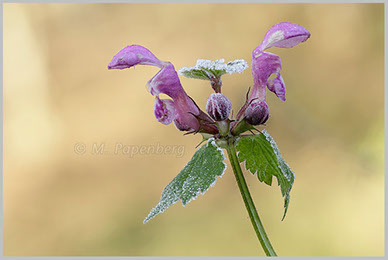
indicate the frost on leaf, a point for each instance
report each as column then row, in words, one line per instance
column 196, row 177
column 262, row 156
column 207, row 69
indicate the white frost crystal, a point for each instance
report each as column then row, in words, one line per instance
column 197, row 176
column 283, row 166
column 217, row 65
column 262, row 156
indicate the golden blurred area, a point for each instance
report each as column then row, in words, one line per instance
column 60, row 98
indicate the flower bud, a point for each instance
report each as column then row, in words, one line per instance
column 218, row 106
column 257, row 112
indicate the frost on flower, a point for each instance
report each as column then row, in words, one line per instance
column 259, row 151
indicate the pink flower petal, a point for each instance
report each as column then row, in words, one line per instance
column 134, row 55
column 284, row 35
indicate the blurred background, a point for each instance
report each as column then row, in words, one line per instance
column 63, row 197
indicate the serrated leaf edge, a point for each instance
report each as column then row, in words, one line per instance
column 280, row 159
column 211, row 141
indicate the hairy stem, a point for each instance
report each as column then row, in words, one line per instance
column 253, row 215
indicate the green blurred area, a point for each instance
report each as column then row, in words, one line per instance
column 58, row 92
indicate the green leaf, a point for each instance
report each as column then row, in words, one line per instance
column 207, row 69
column 197, row 176
column 262, row 156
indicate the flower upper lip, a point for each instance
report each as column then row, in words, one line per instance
column 284, row 35
column 134, row 55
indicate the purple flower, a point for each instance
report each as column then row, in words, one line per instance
column 183, row 111
column 180, row 108
column 264, row 64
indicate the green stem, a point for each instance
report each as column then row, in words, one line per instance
column 253, row 215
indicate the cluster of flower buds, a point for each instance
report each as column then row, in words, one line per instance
column 184, row 112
